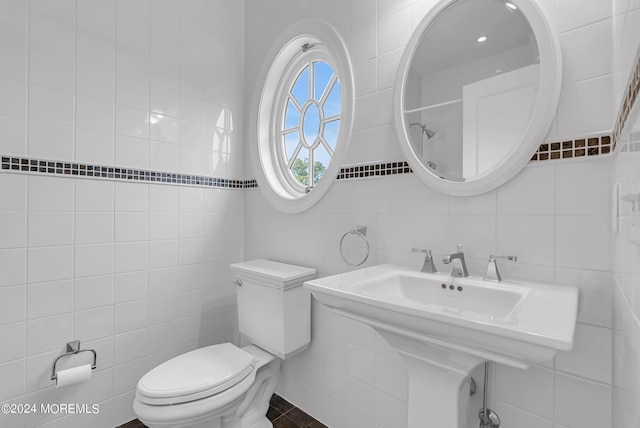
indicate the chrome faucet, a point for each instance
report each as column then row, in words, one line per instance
column 492, row 273
column 457, row 270
column 429, row 265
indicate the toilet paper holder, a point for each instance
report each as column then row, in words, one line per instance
column 73, row 348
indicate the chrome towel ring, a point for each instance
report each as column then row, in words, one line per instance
column 360, row 231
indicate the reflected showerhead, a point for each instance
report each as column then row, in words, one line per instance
column 428, row 132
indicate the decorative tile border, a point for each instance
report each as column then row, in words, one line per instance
column 627, row 103
column 591, row 146
column 76, row 169
column 580, row 147
column 250, row 184
column 373, row 170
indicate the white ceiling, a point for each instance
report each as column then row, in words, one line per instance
column 451, row 39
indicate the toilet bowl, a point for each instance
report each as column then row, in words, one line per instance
column 224, row 386
column 216, row 386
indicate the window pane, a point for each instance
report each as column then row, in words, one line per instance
column 291, row 142
column 301, row 87
column 311, row 124
column 322, row 73
column 332, row 105
column 321, row 161
column 304, row 119
column 300, row 168
column 331, row 133
column 291, row 116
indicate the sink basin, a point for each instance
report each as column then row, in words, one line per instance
column 444, row 327
column 437, row 294
column 512, row 323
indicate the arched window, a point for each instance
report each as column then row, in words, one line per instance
column 304, row 117
column 310, row 122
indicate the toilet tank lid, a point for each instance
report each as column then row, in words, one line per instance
column 273, row 273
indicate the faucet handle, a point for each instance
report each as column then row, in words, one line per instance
column 428, row 265
column 492, row 273
column 508, row 258
column 459, row 248
column 421, row 250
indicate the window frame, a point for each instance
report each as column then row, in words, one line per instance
column 281, row 67
column 303, row 61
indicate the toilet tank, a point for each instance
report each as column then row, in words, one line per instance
column 274, row 310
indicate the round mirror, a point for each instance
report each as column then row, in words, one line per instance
column 476, row 92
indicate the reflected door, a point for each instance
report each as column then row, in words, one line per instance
column 496, row 113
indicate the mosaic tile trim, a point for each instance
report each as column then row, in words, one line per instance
column 373, row 170
column 581, row 147
column 591, row 146
column 75, row 169
column 627, row 103
column 548, row 151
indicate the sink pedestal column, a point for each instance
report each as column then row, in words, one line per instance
column 438, row 384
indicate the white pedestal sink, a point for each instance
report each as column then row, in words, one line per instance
column 444, row 327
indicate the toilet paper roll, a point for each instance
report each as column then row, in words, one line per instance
column 73, row 376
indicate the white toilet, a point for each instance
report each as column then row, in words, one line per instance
column 225, row 386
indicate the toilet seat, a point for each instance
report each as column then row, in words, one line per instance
column 195, row 375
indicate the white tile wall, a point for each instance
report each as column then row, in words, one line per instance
column 595, row 38
column 88, row 259
column 12, row 307
column 394, row 29
column 513, row 416
column 93, row 292
column 572, row 394
column 14, row 40
column 14, row 347
column 92, row 274
column 541, row 256
column 530, row 390
column 120, row 255
column 50, row 141
column 625, row 265
column 554, row 216
column 573, row 15
column 49, row 298
column 362, row 30
column 113, row 63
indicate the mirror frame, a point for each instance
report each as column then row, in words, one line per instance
column 544, row 113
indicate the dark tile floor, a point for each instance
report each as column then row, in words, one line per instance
column 281, row 413
column 133, row 424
